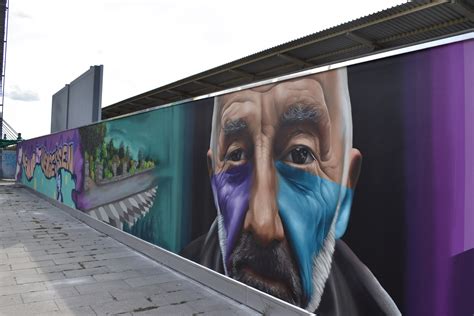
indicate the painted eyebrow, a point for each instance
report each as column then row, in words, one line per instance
column 234, row 127
column 299, row 113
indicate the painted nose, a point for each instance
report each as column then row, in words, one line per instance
column 262, row 218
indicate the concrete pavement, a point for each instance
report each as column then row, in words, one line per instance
column 53, row 264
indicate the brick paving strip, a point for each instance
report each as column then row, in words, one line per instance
column 53, row 264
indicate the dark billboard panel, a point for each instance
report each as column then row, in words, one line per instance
column 345, row 192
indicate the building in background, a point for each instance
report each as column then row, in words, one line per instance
column 79, row 102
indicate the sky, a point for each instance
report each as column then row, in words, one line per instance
column 144, row 44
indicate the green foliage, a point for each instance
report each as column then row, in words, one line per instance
column 103, row 152
column 133, row 169
column 108, row 174
column 107, row 155
column 116, row 159
column 111, row 149
column 105, row 165
column 92, row 137
column 91, row 168
column 127, row 153
column 121, row 151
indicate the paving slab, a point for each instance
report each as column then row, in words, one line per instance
column 53, row 264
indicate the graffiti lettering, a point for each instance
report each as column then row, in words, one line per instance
column 51, row 163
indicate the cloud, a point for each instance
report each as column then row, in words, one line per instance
column 22, row 95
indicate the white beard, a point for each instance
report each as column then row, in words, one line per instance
column 321, row 268
column 321, row 262
column 222, row 233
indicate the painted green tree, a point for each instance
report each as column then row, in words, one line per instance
column 92, row 138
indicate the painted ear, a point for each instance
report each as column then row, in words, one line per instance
column 209, row 162
column 345, row 209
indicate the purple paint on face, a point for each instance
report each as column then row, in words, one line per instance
column 231, row 189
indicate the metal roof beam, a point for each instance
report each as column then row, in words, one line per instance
column 295, row 60
column 337, row 52
column 278, row 50
column 179, row 93
column 361, row 40
column 111, row 110
column 134, row 105
column 271, row 72
column 243, row 74
column 231, row 82
column 155, row 99
column 128, row 109
column 207, row 84
column 463, row 9
column 424, row 30
column 110, row 113
column 200, row 91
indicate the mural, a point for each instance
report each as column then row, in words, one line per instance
column 52, row 165
column 119, row 185
column 345, row 192
column 283, row 171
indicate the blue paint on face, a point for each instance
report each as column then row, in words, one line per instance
column 307, row 205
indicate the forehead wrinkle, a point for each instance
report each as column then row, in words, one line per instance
column 245, row 111
column 305, row 90
column 300, row 100
column 243, row 96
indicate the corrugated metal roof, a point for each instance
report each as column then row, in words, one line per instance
column 402, row 25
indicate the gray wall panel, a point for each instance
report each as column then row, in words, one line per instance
column 59, row 110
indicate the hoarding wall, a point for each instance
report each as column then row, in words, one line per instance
column 8, row 164
column 348, row 190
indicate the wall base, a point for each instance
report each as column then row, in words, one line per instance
column 242, row 293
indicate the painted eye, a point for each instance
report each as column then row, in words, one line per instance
column 300, row 155
column 235, row 155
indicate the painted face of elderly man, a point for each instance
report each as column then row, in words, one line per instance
column 283, row 172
